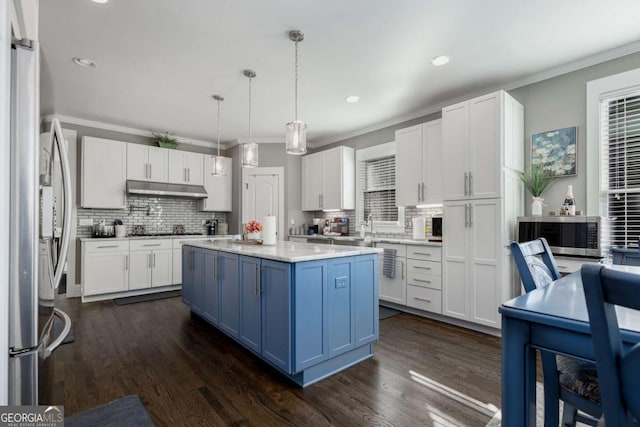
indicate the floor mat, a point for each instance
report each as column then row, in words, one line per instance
column 148, row 297
column 125, row 412
column 386, row 312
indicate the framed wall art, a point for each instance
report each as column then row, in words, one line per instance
column 556, row 151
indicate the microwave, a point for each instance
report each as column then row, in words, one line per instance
column 566, row 235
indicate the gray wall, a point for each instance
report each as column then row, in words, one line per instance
column 270, row 155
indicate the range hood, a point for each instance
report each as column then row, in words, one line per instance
column 165, row 189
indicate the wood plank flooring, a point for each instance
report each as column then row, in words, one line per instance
column 423, row 373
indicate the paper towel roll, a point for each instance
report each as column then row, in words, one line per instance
column 418, row 228
column 269, row 230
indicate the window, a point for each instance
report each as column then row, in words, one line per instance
column 620, row 168
column 376, row 189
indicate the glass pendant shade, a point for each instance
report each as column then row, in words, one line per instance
column 296, row 141
column 250, row 155
column 218, row 166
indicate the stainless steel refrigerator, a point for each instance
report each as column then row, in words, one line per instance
column 40, row 187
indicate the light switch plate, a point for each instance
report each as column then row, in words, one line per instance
column 85, row 222
column 342, row 282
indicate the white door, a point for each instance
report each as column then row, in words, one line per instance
column 194, row 162
column 177, row 168
column 485, row 146
column 393, row 290
column 158, row 164
column 140, row 270
column 105, row 272
column 432, row 163
column 263, row 196
column 312, row 182
column 454, row 259
column 332, row 173
column 218, row 188
column 104, row 173
column 137, row 162
column 408, row 165
column 162, row 262
column 455, row 150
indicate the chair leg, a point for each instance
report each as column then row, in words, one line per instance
column 569, row 413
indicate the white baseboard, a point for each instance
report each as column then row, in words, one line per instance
column 103, row 297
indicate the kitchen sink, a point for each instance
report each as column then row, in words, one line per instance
column 341, row 242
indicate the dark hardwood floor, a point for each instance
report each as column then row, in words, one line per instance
column 423, row 373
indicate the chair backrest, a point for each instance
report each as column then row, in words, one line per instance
column 535, row 263
column 618, row 371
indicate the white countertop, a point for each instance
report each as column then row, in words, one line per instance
column 286, row 251
column 170, row 236
column 374, row 240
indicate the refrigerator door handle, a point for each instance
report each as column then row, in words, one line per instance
column 57, row 134
column 65, row 331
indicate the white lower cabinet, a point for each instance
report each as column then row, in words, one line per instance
column 151, row 263
column 394, row 289
column 105, row 267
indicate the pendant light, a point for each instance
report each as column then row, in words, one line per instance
column 249, row 149
column 296, row 141
column 218, row 162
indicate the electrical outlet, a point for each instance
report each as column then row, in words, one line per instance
column 85, row 222
column 204, row 221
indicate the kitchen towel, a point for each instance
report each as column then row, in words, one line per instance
column 269, row 230
column 389, row 263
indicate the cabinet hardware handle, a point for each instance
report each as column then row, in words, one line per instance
column 149, row 261
column 422, row 299
column 418, row 191
column 422, row 192
column 470, row 215
column 184, row 174
column 257, row 280
column 154, row 260
column 107, row 246
column 466, row 186
column 152, row 244
column 126, row 262
column 466, row 215
column 470, row 184
column 422, row 253
column 216, row 275
column 150, row 170
column 188, row 174
column 423, row 281
column 401, row 268
column 421, row 268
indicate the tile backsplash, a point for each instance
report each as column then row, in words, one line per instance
column 157, row 214
column 409, row 214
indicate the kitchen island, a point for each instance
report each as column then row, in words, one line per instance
column 308, row 310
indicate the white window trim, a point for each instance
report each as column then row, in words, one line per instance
column 596, row 90
column 370, row 153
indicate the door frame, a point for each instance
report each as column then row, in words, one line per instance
column 279, row 171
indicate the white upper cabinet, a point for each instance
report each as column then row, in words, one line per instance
column 147, row 163
column 218, row 188
column 481, row 137
column 328, row 179
column 419, row 164
column 186, row 167
column 104, row 173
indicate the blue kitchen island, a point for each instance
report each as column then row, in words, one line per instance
column 308, row 310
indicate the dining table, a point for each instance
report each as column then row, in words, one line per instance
column 552, row 318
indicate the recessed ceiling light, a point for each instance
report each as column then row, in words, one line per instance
column 84, row 62
column 440, row 60
column 100, row 1
column 352, row 98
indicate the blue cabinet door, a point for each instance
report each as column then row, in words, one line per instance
column 366, row 299
column 310, row 314
column 276, row 313
column 340, row 305
column 187, row 274
column 197, row 277
column 250, row 303
column 210, row 288
column 229, row 313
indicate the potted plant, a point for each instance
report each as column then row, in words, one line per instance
column 536, row 181
column 165, row 140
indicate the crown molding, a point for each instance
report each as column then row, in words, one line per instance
column 569, row 67
column 239, row 141
column 123, row 129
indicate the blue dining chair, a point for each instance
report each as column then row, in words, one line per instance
column 619, row 370
column 573, row 381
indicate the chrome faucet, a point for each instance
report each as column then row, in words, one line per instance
column 370, row 223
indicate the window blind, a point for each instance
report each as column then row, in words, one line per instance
column 378, row 183
column 620, row 136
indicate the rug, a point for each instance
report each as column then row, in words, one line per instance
column 148, row 297
column 386, row 312
column 497, row 418
column 125, row 412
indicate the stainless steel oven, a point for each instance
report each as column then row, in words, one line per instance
column 566, row 235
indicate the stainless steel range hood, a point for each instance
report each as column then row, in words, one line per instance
column 165, row 189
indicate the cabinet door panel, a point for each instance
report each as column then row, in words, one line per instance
column 332, row 179
column 229, row 293
column 250, row 303
column 365, row 299
column 210, row 298
column 485, row 146
column 409, row 157
column 159, row 164
column 137, row 162
column 340, row 288
column 312, row 182
column 455, row 260
column 455, row 149
column 197, row 296
column 177, row 266
column 276, row 313
column 194, row 163
column 310, row 311
column 162, row 274
column 104, row 173
column 432, row 162
column 394, row 290
column 218, row 188
column 177, row 168
column 105, row 273
column 140, row 270
column 187, row 274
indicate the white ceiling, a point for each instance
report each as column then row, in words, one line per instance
column 159, row 61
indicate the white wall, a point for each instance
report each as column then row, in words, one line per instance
column 5, row 34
